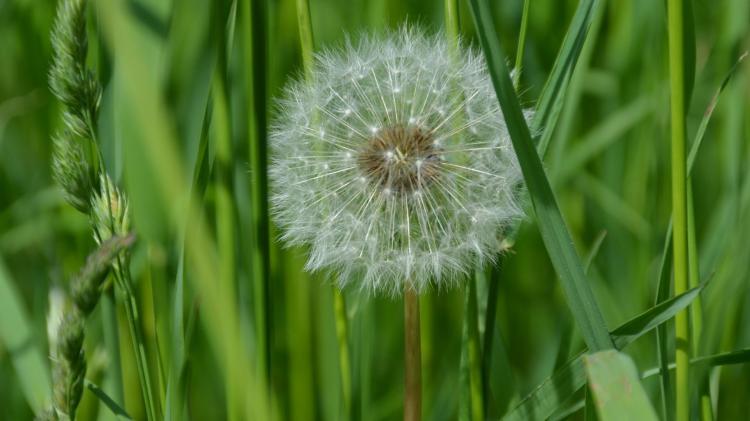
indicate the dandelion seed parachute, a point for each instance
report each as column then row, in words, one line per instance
column 394, row 164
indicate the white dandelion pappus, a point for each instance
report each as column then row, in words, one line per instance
column 394, row 163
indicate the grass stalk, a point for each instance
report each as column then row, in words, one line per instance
column 521, row 45
column 696, row 308
column 339, row 305
column 226, row 226
column 474, row 354
column 304, row 21
column 307, row 43
column 124, row 281
column 679, row 204
column 412, row 358
column 254, row 34
column 112, row 344
column 473, row 342
column 452, row 20
column 489, row 330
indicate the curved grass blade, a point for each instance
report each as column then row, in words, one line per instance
column 554, row 232
column 655, row 316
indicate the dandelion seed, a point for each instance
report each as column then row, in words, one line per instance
column 418, row 179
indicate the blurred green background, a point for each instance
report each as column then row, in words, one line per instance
column 608, row 163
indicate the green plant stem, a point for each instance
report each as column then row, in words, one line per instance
column 521, row 45
column 452, row 20
column 489, row 331
column 696, row 308
column 304, row 21
column 473, row 352
column 254, row 17
column 679, row 205
column 473, row 343
column 339, row 306
column 112, row 343
column 412, row 358
column 124, row 284
column 226, row 226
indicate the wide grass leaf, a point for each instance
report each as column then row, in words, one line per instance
column 615, row 387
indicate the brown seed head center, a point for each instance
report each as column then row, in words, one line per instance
column 401, row 159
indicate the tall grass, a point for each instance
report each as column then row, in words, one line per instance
column 231, row 327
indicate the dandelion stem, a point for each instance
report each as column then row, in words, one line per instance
column 679, row 205
column 521, row 45
column 412, row 357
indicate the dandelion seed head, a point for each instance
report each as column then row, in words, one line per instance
column 394, row 164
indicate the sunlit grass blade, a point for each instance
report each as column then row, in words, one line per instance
column 615, row 387
column 554, row 232
column 16, row 336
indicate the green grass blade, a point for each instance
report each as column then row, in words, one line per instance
column 157, row 139
column 698, row 140
column 253, row 14
column 663, row 284
column 662, row 295
column 552, row 98
column 553, row 393
column 603, row 135
column 653, row 317
column 741, row 356
column 110, row 403
column 551, row 224
column 17, row 337
column 616, row 389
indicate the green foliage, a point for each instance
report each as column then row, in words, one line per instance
column 617, row 391
column 160, row 108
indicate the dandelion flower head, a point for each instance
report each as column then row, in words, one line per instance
column 393, row 163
